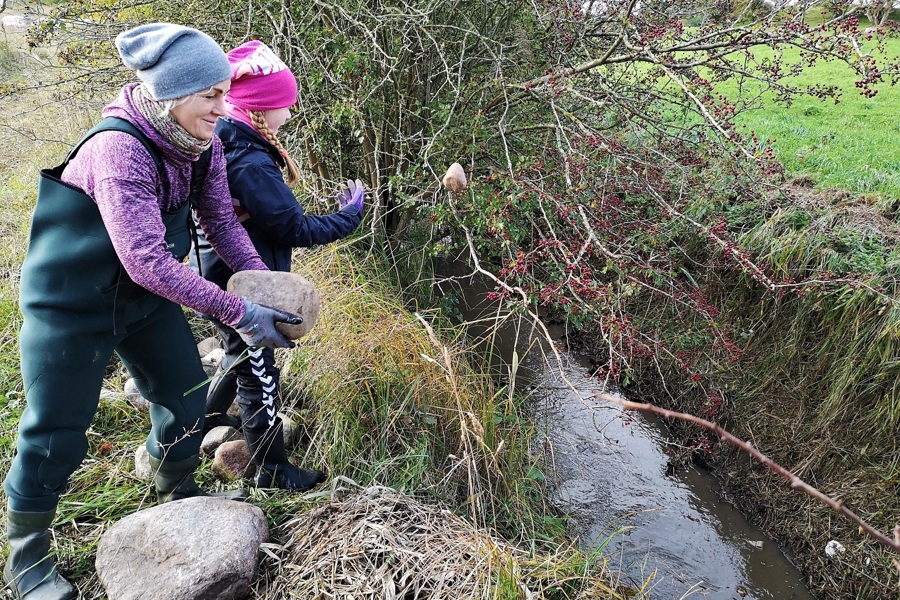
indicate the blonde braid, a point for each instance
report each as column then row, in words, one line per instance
column 259, row 122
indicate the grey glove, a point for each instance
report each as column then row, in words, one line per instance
column 257, row 328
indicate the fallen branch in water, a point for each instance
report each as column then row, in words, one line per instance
column 747, row 447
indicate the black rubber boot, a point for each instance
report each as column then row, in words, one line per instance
column 221, row 395
column 30, row 571
column 274, row 470
column 175, row 481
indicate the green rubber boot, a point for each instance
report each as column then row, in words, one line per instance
column 30, row 572
column 175, row 481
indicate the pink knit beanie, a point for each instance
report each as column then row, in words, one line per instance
column 259, row 79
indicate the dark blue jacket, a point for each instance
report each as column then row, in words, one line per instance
column 268, row 209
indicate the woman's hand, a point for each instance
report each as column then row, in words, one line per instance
column 257, row 328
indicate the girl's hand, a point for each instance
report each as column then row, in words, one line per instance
column 353, row 195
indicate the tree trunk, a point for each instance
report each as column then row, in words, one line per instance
column 878, row 11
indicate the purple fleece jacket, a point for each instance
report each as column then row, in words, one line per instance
column 116, row 171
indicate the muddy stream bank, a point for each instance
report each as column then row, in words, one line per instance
column 678, row 530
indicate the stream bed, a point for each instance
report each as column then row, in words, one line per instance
column 673, row 535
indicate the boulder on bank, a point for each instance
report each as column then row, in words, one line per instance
column 194, row 549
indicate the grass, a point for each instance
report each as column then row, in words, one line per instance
column 853, row 145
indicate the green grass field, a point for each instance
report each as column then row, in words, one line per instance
column 853, row 145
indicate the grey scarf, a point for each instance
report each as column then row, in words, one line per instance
column 166, row 125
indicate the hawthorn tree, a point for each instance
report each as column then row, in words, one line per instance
column 596, row 135
column 879, row 11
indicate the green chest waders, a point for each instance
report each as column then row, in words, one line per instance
column 80, row 306
column 71, row 264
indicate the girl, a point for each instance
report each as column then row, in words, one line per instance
column 262, row 91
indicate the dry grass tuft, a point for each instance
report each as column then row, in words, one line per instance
column 381, row 544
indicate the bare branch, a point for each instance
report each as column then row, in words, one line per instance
column 796, row 483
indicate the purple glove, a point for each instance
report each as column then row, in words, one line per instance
column 353, row 195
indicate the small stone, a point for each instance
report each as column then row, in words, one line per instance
column 134, row 397
column 286, row 291
column 834, row 548
column 215, row 356
column 209, row 368
column 208, row 345
column 218, row 436
column 289, row 430
column 108, row 395
column 232, row 461
column 212, row 360
column 142, row 468
column 234, row 410
column 455, row 178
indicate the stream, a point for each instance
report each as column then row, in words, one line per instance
column 672, row 535
column 678, row 530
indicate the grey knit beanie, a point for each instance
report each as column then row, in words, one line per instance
column 171, row 60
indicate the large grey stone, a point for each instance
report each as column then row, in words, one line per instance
column 194, row 549
column 287, row 291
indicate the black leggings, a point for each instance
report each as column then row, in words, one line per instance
column 258, row 379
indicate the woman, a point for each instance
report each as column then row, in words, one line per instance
column 262, row 91
column 103, row 274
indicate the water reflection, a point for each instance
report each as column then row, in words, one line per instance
column 675, row 531
column 672, row 535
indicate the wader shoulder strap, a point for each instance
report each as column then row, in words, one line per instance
column 198, row 177
column 117, row 124
column 199, row 169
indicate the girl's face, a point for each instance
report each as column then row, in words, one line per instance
column 199, row 113
column 277, row 117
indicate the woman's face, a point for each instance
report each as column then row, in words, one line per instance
column 277, row 117
column 199, row 113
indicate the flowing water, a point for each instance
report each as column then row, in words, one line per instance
column 675, row 534
column 676, row 529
